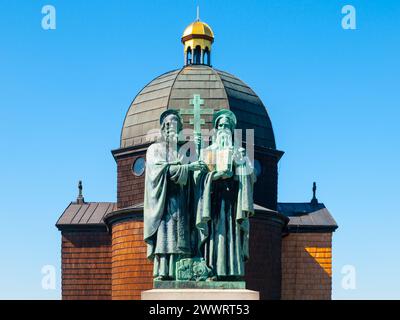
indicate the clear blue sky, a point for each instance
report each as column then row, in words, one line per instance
column 332, row 94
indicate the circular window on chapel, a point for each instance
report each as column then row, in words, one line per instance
column 139, row 166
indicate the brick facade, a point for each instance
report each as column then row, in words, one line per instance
column 131, row 271
column 263, row 270
column 102, row 266
column 86, row 265
column 130, row 188
column 307, row 266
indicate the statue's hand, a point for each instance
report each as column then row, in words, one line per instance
column 218, row 175
column 223, row 175
column 197, row 166
column 227, row 174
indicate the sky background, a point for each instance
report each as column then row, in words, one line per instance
column 332, row 94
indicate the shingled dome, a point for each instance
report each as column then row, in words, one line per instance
column 173, row 90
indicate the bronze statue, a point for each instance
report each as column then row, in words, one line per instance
column 196, row 214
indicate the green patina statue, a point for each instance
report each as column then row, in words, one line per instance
column 167, row 214
column 196, row 214
column 224, row 199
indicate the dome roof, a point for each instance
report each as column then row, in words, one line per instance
column 174, row 89
column 198, row 28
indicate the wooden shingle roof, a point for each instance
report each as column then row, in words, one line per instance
column 174, row 89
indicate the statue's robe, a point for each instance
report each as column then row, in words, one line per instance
column 166, row 214
column 222, row 219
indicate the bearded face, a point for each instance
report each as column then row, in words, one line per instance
column 224, row 133
column 170, row 127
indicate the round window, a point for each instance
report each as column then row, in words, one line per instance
column 139, row 166
column 257, row 167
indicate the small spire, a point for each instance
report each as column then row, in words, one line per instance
column 80, row 199
column 314, row 200
column 198, row 14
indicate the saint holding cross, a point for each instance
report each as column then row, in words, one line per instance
column 197, row 121
column 197, row 213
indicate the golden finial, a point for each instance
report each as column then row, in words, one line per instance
column 197, row 40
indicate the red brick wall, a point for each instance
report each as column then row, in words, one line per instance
column 307, row 266
column 131, row 271
column 263, row 270
column 86, row 265
column 130, row 188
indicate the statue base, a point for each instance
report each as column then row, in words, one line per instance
column 200, row 294
column 158, row 284
column 200, row 290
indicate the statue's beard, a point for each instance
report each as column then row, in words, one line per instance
column 224, row 138
column 170, row 136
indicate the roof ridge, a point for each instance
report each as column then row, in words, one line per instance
column 172, row 85
column 223, row 86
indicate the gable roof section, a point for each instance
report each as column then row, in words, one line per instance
column 307, row 217
column 89, row 214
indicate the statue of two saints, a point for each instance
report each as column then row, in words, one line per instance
column 198, row 210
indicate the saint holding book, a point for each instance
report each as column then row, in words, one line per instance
column 224, row 202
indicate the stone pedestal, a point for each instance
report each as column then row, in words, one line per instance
column 199, row 284
column 200, row 294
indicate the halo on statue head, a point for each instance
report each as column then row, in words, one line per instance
column 224, row 113
column 174, row 112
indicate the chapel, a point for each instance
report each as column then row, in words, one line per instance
column 103, row 254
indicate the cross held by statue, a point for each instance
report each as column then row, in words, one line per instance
column 197, row 112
